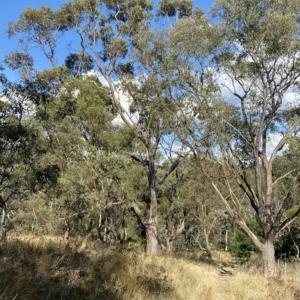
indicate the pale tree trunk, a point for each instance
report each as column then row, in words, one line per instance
column 267, row 250
column 169, row 243
column 152, row 241
column 151, row 227
column 207, row 243
column 3, row 225
column 269, row 262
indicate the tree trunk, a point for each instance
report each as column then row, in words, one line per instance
column 187, row 240
column 169, row 243
column 207, row 244
column 269, row 262
column 267, row 249
column 88, row 233
column 226, row 240
column 151, row 226
column 152, row 240
column 83, row 243
column 3, row 226
column 66, row 229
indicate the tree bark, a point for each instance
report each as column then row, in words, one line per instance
column 151, row 227
column 152, row 241
column 267, row 249
column 169, row 243
column 150, row 224
column 3, row 225
column 269, row 262
column 207, row 244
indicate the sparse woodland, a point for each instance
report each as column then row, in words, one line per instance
column 164, row 140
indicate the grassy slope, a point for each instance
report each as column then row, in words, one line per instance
column 36, row 268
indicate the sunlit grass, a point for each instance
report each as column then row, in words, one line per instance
column 41, row 268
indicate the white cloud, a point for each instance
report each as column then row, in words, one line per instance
column 273, row 141
column 98, row 75
column 226, row 87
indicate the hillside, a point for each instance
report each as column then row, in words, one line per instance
column 39, row 268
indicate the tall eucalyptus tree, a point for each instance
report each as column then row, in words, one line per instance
column 131, row 59
column 256, row 65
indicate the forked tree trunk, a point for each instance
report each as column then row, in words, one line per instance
column 169, row 243
column 207, row 243
column 267, row 250
column 268, row 255
column 150, row 224
column 269, row 262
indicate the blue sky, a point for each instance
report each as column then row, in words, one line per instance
column 11, row 9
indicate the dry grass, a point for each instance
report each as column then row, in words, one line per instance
column 35, row 268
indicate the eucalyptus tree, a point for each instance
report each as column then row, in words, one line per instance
column 132, row 60
column 84, row 143
column 205, row 211
column 17, row 143
column 74, row 113
column 256, row 64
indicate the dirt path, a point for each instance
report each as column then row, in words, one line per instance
column 223, row 286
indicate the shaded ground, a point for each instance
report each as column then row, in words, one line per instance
column 31, row 271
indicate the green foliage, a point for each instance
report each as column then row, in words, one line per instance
column 239, row 244
column 20, row 61
column 171, row 8
column 78, row 63
column 286, row 245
